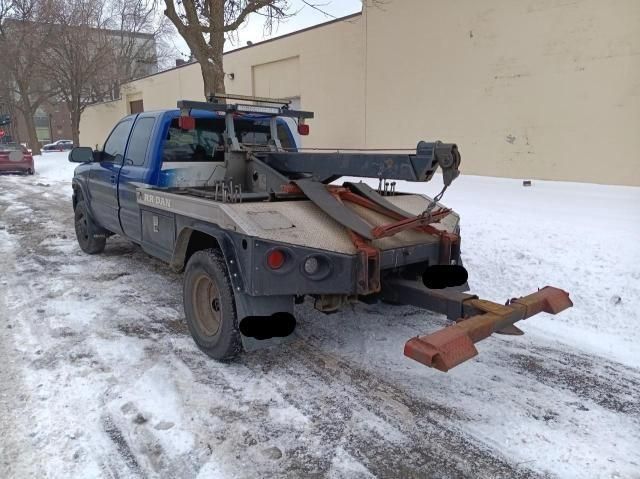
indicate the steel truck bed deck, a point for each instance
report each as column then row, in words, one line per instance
column 299, row 222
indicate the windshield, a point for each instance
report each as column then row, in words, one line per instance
column 206, row 143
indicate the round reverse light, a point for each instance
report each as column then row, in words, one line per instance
column 275, row 259
column 311, row 265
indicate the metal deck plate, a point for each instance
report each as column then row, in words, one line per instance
column 295, row 222
column 315, row 229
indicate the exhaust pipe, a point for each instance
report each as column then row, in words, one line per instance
column 440, row 276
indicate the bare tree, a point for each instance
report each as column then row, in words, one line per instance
column 137, row 39
column 6, row 93
column 24, row 37
column 77, row 57
column 5, row 8
column 7, row 106
column 204, row 25
column 99, row 45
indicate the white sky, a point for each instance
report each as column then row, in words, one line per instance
column 253, row 31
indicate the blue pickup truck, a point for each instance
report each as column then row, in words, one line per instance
column 223, row 192
column 151, row 148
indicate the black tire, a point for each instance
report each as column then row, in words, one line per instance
column 30, row 171
column 91, row 237
column 209, row 306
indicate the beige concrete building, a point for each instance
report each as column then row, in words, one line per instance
column 544, row 89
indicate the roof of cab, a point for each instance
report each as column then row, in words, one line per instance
column 175, row 112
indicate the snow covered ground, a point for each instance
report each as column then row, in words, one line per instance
column 101, row 379
column 54, row 166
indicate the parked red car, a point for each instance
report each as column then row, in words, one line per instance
column 16, row 159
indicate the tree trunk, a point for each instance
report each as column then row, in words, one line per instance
column 75, row 129
column 212, row 75
column 208, row 77
column 211, row 65
column 217, row 47
column 33, row 142
column 75, row 114
column 28, row 111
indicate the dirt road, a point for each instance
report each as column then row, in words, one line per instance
column 101, row 379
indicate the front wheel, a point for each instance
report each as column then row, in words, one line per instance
column 209, row 305
column 90, row 237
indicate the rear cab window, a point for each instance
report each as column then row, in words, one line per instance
column 206, row 141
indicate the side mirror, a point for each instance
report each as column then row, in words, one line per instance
column 81, row 154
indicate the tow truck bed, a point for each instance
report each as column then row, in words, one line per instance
column 299, row 222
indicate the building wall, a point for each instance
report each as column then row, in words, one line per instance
column 97, row 121
column 322, row 68
column 540, row 89
column 545, row 89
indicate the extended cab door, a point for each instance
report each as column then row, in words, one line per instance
column 103, row 186
column 136, row 169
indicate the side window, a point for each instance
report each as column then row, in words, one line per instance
column 114, row 146
column 285, row 137
column 137, row 151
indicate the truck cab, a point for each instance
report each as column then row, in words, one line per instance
column 151, row 148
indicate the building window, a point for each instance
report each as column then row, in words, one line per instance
column 43, row 127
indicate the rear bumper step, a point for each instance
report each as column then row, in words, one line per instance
column 476, row 319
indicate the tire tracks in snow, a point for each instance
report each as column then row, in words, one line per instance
column 349, row 411
column 429, row 443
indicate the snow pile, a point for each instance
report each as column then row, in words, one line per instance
column 579, row 237
column 54, row 166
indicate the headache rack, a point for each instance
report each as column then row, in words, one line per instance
column 266, row 106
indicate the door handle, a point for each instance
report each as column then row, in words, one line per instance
column 113, row 179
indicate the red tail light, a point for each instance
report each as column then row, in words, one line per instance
column 303, row 129
column 187, row 122
column 275, row 259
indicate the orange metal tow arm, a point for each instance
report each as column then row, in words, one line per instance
column 477, row 319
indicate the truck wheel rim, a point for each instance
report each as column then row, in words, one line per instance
column 206, row 301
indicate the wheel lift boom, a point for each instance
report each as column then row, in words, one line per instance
column 476, row 319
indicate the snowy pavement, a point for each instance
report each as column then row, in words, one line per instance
column 101, row 379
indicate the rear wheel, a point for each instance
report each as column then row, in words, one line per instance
column 29, row 171
column 90, row 236
column 210, row 307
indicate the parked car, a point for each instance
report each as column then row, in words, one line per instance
column 16, row 158
column 60, row 145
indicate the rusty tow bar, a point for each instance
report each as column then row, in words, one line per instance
column 476, row 319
